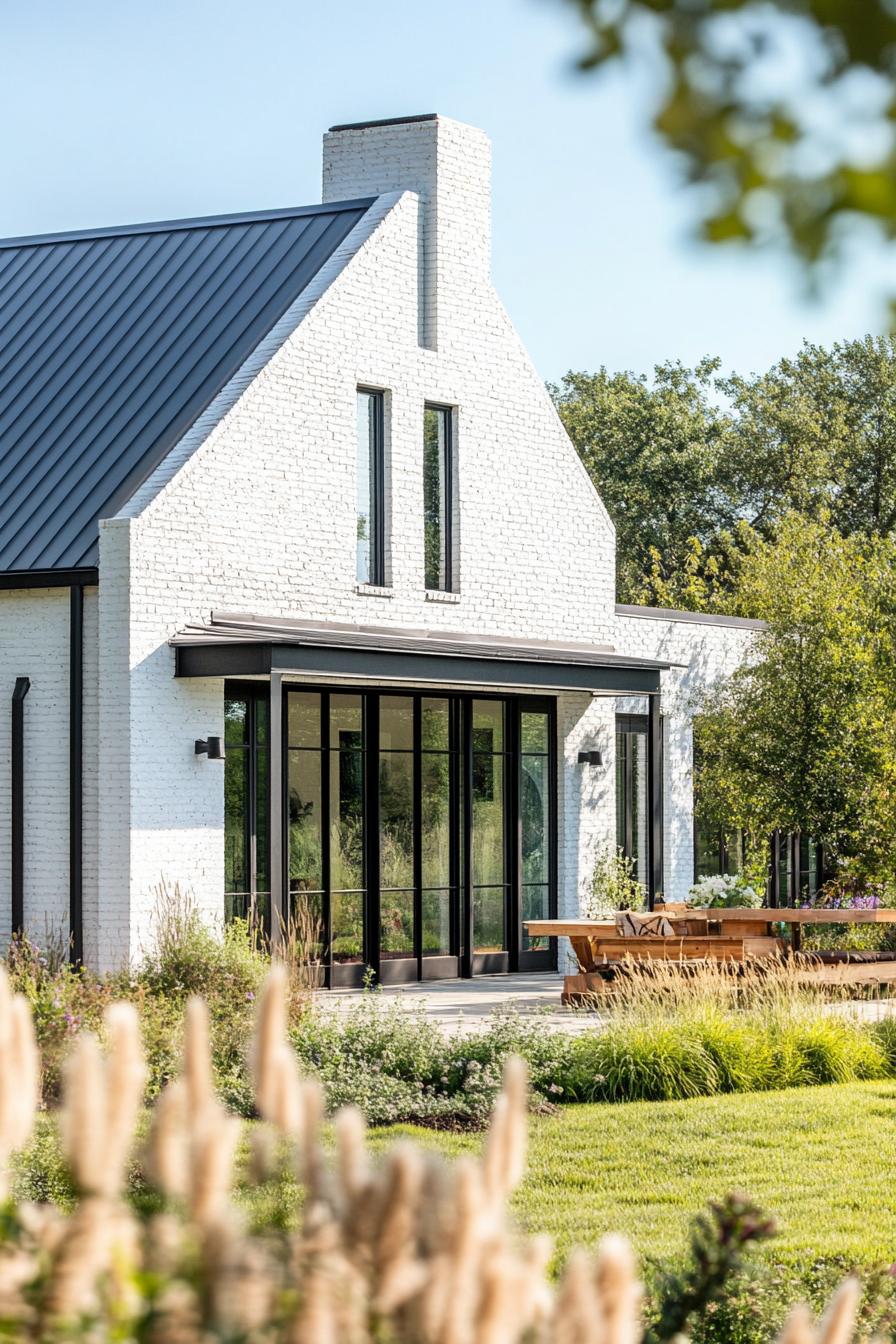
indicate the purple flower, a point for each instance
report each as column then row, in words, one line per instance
column 249, row 996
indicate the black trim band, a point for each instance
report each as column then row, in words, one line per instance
column 235, row 660
column 49, row 578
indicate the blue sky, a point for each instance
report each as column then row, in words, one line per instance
column 116, row 111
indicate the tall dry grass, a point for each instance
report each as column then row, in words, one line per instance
column 410, row 1250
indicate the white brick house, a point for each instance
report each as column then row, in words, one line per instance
column 295, row 471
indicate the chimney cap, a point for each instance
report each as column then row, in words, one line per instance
column 384, row 121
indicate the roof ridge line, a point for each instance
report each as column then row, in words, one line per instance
column 192, row 222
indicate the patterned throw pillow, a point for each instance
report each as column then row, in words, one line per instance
column 630, row 925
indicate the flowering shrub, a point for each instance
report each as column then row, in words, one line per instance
column 725, row 890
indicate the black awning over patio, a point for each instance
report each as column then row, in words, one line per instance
column 234, row 645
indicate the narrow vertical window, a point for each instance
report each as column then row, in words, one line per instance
column 370, row 551
column 437, row 497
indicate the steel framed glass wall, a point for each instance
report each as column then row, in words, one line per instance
column 420, row 829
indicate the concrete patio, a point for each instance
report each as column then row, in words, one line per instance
column 470, row 1005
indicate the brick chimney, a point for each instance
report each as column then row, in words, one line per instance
column 448, row 164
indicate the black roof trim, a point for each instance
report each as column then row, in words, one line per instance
column 696, row 617
column 195, row 222
column 384, row 121
column 86, row 577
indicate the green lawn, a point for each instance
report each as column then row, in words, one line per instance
column 819, row 1159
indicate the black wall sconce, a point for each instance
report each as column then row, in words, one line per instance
column 590, row 758
column 211, row 747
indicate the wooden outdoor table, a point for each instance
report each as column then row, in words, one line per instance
column 765, row 916
column 738, row 934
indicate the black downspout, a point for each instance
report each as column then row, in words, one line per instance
column 76, row 775
column 22, row 687
column 655, row 799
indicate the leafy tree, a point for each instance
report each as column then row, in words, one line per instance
column 781, row 110
column 817, row 432
column 653, row 452
column 696, row 468
column 803, row 738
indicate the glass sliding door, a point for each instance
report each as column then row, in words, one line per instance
column 419, row 828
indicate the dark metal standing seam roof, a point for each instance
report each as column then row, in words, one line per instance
column 114, row 342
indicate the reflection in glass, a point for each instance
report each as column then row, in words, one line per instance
column 435, row 784
column 347, row 918
column 369, row 489
column 347, row 822
column 488, row 822
column 397, row 924
column 346, row 722
column 631, row 800
column 436, row 502
column 396, row 723
column 436, row 923
column 396, row 820
column 488, row 919
column 536, row 905
column 304, row 803
column 534, row 817
column 303, row 719
column 434, row 725
column 488, row 725
column 235, row 714
column 236, row 857
column 308, row 914
column 534, row 731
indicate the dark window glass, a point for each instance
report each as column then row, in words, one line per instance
column 631, row 797
column 437, row 502
column 370, row 478
column 246, row 882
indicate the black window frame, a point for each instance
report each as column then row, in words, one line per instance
column 447, row 520
column 376, row 576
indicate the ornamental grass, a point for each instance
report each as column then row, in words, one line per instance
column 408, row 1250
